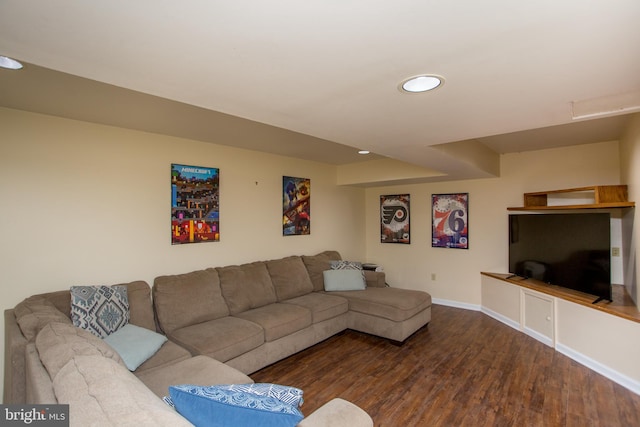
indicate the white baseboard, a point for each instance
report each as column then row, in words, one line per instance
column 598, row 367
column 456, row 304
column 606, row 371
column 500, row 318
column 538, row 336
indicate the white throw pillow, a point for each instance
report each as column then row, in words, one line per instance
column 343, row 280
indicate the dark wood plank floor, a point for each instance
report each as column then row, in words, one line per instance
column 464, row 369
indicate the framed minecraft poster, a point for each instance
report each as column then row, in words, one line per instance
column 195, row 204
column 450, row 220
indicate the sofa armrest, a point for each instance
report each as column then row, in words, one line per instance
column 375, row 279
column 39, row 387
column 337, row 413
column 14, row 352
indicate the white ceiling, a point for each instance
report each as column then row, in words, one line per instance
column 326, row 72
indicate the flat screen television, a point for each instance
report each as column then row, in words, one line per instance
column 569, row 249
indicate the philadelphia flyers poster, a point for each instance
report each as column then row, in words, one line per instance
column 394, row 219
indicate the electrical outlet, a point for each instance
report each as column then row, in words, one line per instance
column 615, row 251
column 433, row 276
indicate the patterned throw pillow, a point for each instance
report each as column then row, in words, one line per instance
column 345, row 265
column 217, row 407
column 100, row 310
column 286, row 394
column 348, row 265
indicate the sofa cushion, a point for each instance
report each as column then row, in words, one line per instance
column 322, row 306
column 246, row 286
column 290, row 277
column 222, row 339
column 199, row 370
column 57, row 343
column 187, row 299
column 36, row 312
column 344, row 280
column 100, row 309
column 140, row 305
column 390, row 303
column 168, row 354
column 316, row 264
column 135, row 344
column 217, row 407
column 278, row 319
column 101, row 392
column 338, row 412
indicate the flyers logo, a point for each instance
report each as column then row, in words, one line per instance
column 393, row 213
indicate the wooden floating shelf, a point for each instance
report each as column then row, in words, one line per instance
column 603, row 196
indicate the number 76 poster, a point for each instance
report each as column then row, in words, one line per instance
column 450, row 220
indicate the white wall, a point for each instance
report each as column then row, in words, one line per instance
column 457, row 271
column 90, row 204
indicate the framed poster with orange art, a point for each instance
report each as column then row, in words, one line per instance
column 296, row 206
column 394, row 219
column 450, row 220
column 195, row 204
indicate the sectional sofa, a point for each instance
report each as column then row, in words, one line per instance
column 218, row 326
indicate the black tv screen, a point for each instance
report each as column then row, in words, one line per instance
column 569, row 250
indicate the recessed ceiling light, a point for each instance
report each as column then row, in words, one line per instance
column 8, row 63
column 422, row 83
column 363, row 152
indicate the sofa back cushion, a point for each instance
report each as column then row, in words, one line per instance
column 40, row 308
column 35, row 312
column 188, row 299
column 290, row 277
column 57, row 343
column 246, row 286
column 316, row 264
column 140, row 305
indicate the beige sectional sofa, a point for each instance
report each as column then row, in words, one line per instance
column 222, row 324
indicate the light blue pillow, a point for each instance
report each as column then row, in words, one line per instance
column 216, row 407
column 100, row 309
column 135, row 344
column 286, row 394
column 343, row 280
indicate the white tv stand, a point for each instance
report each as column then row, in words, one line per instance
column 603, row 336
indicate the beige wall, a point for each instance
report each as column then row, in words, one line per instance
column 85, row 203
column 90, row 204
column 457, row 278
column 630, row 174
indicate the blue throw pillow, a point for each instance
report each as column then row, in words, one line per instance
column 215, row 406
column 286, row 394
column 135, row 344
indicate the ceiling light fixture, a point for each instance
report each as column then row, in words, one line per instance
column 421, row 83
column 363, row 152
column 10, row 64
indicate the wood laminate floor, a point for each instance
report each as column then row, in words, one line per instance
column 464, row 369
